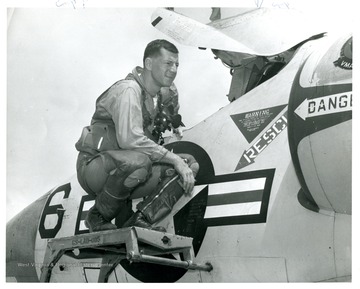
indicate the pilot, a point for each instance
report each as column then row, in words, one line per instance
column 120, row 149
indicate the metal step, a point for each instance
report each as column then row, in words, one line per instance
column 133, row 243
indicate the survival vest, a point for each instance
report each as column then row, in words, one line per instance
column 101, row 135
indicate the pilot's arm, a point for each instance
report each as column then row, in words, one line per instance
column 127, row 115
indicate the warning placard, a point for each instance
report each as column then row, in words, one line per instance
column 251, row 123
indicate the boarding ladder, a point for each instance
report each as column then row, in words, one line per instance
column 132, row 243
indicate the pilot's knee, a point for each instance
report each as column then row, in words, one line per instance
column 138, row 176
column 141, row 160
column 110, row 164
column 189, row 158
column 140, row 168
column 129, row 159
column 191, row 161
column 135, row 167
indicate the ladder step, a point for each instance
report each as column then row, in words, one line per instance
column 170, row 262
column 134, row 243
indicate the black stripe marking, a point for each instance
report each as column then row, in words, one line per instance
column 235, row 198
column 156, row 21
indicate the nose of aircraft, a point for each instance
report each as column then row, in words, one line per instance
column 20, row 243
column 320, row 114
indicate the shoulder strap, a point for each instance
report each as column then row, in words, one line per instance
column 147, row 120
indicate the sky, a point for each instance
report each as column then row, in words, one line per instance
column 61, row 56
column 59, row 62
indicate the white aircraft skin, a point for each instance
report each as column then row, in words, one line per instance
column 272, row 202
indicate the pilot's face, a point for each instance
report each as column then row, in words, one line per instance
column 164, row 68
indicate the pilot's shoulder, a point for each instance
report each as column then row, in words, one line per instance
column 124, row 85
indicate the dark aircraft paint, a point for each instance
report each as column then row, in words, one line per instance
column 189, row 221
column 299, row 128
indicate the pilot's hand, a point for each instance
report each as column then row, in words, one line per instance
column 186, row 176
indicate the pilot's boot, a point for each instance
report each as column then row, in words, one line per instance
column 105, row 209
column 108, row 204
column 96, row 222
column 157, row 205
column 160, row 203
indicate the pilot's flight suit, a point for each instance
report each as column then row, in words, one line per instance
column 117, row 150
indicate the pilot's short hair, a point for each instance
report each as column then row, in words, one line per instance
column 154, row 47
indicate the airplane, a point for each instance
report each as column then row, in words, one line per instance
column 272, row 201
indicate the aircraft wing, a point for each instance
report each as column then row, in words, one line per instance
column 263, row 31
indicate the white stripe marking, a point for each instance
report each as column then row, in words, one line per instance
column 232, row 210
column 237, row 186
column 82, row 226
column 88, row 205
